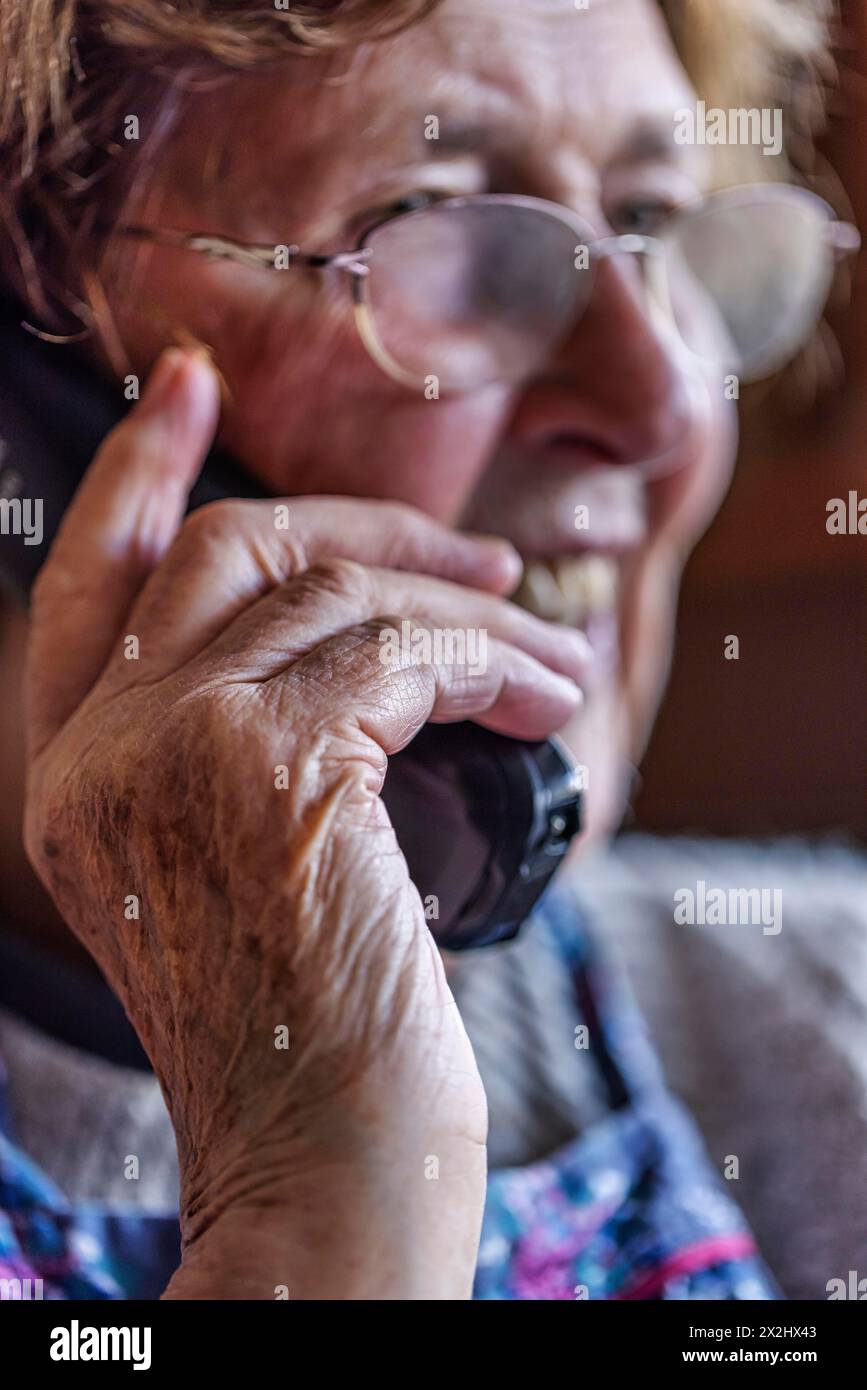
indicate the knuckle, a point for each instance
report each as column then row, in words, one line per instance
column 404, row 514
column 378, row 658
column 340, row 576
column 52, row 823
column 56, row 586
column 386, row 622
column 372, row 631
column 213, row 523
column 409, row 525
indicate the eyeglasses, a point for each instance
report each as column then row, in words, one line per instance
column 466, row 292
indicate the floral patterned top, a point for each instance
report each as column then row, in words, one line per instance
column 631, row 1209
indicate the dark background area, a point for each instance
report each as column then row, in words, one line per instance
column 777, row 740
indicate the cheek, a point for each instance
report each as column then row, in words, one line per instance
column 307, row 410
column 311, row 413
column 682, row 505
column 684, row 499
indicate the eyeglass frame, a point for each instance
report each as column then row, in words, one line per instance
column 842, row 239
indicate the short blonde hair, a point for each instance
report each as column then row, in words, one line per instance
column 70, row 70
column 765, row 53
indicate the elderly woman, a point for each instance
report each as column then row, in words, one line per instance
column 441, row 281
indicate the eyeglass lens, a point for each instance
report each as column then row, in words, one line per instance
column 478, row 292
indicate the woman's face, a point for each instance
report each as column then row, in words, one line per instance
column 535, row 97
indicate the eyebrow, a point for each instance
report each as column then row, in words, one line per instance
column 651, row 140
column 457, row 137
column 467, row 137
column 486, row 126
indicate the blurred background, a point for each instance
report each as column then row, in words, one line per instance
column 756, row 776
column 777, row 740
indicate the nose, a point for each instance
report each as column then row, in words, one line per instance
column 618, row 387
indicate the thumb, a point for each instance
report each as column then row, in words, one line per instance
column 117, row 528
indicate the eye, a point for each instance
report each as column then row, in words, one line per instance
column 642, row 215
column 392, row 207
column 420, row 198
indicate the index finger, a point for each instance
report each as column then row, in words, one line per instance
column 118, row 526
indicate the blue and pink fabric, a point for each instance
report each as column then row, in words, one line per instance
column 631, row 1209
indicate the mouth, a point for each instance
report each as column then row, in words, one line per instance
column 578, row 531
column 571, row 589
column 580, row 591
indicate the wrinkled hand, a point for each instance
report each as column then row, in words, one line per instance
column 210, row 725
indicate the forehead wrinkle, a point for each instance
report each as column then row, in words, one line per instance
column 530, row 86
column 486, row 74
column 509, row 82
column 475, row 117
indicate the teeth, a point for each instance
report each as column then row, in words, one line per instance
column 570, row 590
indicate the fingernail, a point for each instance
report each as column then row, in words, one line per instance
column 577, row 640
column 512, row 562
column 160, row 384
column 568, row 688
column 504, row 555
column 564, row 688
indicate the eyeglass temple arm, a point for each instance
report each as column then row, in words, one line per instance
column 225, row 248
column 843, row 237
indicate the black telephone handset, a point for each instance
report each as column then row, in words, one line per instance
column 484, row 821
